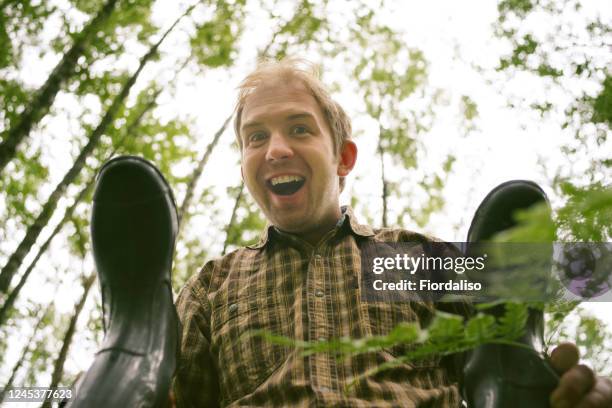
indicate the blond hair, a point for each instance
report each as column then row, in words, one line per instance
column 307, row 73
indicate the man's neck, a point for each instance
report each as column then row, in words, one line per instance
column 315, row 235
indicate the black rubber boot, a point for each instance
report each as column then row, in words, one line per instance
column 503, row 376
column 133, row 227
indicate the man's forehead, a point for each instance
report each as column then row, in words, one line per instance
column 274, row 89
column 287, row 98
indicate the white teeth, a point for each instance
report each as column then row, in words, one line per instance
column 284, row 179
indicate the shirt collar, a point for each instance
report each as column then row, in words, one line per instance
column 348, row 218
column 355, row 226
column 264, row 237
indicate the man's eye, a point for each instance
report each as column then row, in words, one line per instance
column 256, row 137
column 299, row 130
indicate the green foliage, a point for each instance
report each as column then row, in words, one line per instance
column 88, row 6
column 40, row 355
column 517, row 7
column 469, row 110
column 533, row 225
column 79, row 239
column 587, row 214
column 512, row 323
column 154, row 141
column 13, row 100
column 104, row 86
column 447, row 334
column 602, row 103
column 523, row 49
column 22, row 186
column 566, row 49
column 19, row 22
column 138, row 131
column 393, row 81
column 215, row 40
column 130, row 16
column 589, row 333
column 432, row 184
column 95, row 324
column 6, row 56
column 556, row 315
column 247, row 224
column 40, row 361
column 188, row 261
column 302, row 28
column 560, row 44
column 135, row 14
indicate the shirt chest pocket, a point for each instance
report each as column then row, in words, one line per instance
column 246, row 359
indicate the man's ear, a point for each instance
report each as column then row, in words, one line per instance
column 348, row 157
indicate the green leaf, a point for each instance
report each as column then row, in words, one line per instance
column 480, row 328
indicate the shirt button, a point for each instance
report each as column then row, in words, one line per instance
column 319, row 293
column 233, row 307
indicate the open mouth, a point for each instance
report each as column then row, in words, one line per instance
column 286, row 185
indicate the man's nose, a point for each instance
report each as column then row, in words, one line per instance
column 278, row 148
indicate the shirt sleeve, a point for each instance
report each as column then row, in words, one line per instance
column 196, row 382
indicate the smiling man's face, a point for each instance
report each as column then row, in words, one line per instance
column 288, row 160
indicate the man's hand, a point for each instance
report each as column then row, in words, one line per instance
column 578, row 386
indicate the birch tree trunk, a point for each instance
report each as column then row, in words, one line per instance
column 58, row 368
column 10, row 300
column 41, row 221
column 232, row 218
column 44, row 97
column 197, row 173
column 385, row 187
column 12, row 297
column 22, row 357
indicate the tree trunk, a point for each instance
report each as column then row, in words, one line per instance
column 58, row 369
column 385, row 188
column 34, row 230
column 197, row 173
column 44, row 97
column 10, row 300
column 22, row 357
column 232, row 218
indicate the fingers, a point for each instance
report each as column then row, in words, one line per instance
column 564, row 357
column 578, row 386
column 573, row 387
column 600, row 395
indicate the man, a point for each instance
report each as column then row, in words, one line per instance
column 302, row 280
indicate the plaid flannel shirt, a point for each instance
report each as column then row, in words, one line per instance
column 288, row 287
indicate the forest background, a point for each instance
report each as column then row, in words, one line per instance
column 447, row 101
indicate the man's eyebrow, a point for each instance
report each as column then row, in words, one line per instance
column 300, row 116
column 250, row 124
column 294, row 116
